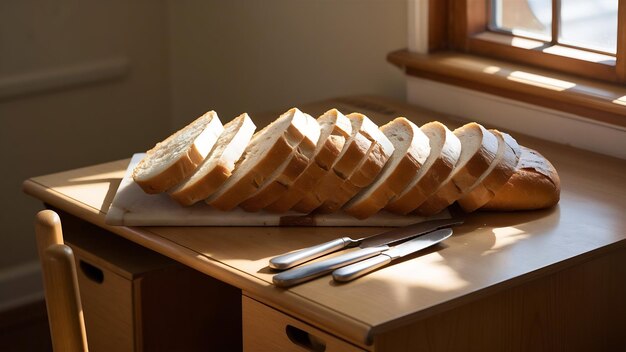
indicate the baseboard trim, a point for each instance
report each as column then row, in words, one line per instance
column 20, row 285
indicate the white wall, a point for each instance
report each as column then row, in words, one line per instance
column 117, row 49
column 236, row 56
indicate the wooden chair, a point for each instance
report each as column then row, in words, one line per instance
column 65, row 313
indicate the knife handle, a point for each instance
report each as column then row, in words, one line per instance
column 359, row 269
column 311, row 271
column 300, row 256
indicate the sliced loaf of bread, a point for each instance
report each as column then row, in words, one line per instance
column 411, row 149
column 445, row 149
column 264, row 154
column 534, row 185
column 335, row 129
column 218, row 165
column 282, row 178
column 496, row 176
column 355, row 150
column 175, row 158
column 366, row 171
column 478, row 151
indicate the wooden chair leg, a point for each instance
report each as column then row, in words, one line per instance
column 67, row 325
column 65, row 314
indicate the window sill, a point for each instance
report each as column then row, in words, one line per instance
column 583, row 97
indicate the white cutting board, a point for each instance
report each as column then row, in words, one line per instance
column 132, row 207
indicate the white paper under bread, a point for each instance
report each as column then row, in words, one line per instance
column 132, row 207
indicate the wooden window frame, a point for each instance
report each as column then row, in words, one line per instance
column 459, row 29
column 468, row 23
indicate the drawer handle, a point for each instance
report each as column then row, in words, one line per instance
column 304, row 339
column 91, row 272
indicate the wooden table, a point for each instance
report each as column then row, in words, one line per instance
column 539, row 280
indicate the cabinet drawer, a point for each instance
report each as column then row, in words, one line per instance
column 108, row 305
column 266, row 329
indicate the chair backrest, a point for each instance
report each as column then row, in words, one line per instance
column 65, row 314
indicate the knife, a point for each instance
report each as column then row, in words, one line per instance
column 310, row 271
column 292, row 259
column 359, row 269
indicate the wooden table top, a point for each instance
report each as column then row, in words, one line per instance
column 490, row 252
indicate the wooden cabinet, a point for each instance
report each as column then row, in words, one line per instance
column 267, row 329
column 137, row 300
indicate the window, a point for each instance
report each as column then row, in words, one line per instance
column 568, row 55
column 574, row 36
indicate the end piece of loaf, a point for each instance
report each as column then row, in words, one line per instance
column 534, row 185
column 264, row 154
column 411, row 149
column 176, row 157
column 218, row 165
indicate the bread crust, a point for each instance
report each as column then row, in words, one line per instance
column 485, row 190
column 346, row 189
column 186, row 163
column 366, row 171
column 192, row 192
column 465, row 177
column 320, row 166
column 357, row 150
column 439, row 170
column 534, row 185
column 247, row 184
column 175, row 173
column 210, row 182
column 297, row 163
column 397, row 180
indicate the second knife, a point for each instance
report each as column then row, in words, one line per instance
column 361, row 268
column 292, row 259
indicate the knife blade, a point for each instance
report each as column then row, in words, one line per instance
column 289, row 260
column 361, row 268
column 310, row 271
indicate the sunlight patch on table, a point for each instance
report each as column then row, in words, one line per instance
column 506, row 236
column 430, row 272
column 119, row 174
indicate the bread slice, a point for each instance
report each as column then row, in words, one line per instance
column 355, row 149
column 534, row 185
column 218, row 165
column 411, row 149
column 335, row 130
column 496, row 176
column 478, row 151
column 381, row 152
column 367, row 170
column 264, row 154
column 445, row 149
column 280, row 180
column 176, row 157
